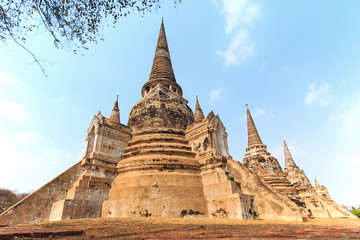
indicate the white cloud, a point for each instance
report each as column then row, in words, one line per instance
column 234, row 11
column 239, row 17
column 318, row 95
column 28, row 160
column 7, row 78
column 252, row 12
column 28, row 137
column 215, row 94
column 238, row 13
column 14, row 111
column 239, row 50
column 258, row 112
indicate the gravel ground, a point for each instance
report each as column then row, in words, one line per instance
column 205, row 228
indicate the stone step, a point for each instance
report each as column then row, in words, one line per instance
column 30, row 232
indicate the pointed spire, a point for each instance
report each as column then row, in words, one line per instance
column 253, row 135
column 199, row 115
column 289, row 161
column 115, row 113
column 317, row 185
column 162, row 68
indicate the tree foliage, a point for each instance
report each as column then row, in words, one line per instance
column 8, row 198
column 75, row 21
column 71, row 23
column 355, row 211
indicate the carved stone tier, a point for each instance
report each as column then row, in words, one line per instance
column 157, row 177
column 280, row 183
column 158, row 152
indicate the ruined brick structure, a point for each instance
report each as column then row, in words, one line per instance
column 292, row 182
column 170, row 162
column 267, row 167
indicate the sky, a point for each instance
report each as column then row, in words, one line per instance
column 296, row 63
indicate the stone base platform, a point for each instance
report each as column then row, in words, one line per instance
column 21, row 232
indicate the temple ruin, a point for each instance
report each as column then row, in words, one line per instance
column 170, row 162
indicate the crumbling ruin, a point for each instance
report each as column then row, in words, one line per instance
column 170, row 162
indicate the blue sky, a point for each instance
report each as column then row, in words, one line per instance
column 296, row 63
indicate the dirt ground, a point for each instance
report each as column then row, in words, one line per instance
column 205, row 228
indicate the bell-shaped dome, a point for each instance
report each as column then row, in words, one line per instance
column 160, row 111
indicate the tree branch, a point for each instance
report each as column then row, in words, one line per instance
column 37, row 61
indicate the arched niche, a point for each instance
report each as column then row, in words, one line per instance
column 206, row 144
